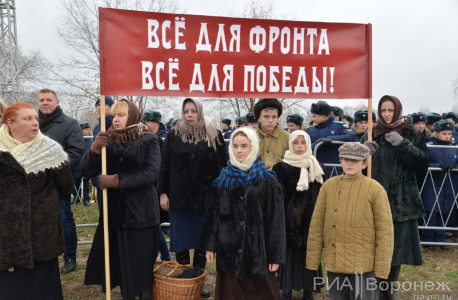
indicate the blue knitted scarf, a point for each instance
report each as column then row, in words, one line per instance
column 231, row 176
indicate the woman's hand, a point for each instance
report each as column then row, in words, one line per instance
column 210, row 257
column 165, row 204
column 273, row 267
column 101, row 140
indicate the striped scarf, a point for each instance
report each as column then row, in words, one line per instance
column 231, row 176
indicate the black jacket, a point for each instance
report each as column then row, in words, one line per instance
column 67, row 132
column 394, row 168
column 30, row 221
column 246, row 228
column 299, row 206
column 188, row 170
column 135, row 203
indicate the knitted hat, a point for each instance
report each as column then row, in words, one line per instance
column 153, row 116
column 444, row 125
column 174, row 121
column 251, row 118
column 408, row 118
column 362, row 115
column 418, row 117
column 452, row 116
column 433, row 118
column 321, row 108
column 85, row 125
column 356, row 151
column 267, row 103
column 296, row 119
column 227, row 122
column 337, row 111
column 241, row 120
column 108, row 100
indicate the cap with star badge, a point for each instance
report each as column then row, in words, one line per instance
column 444, row 125
column 296, row 119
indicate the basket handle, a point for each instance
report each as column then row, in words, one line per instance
column 165, row 263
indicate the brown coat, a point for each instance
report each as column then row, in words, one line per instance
column 272, row 146
column 352, row 222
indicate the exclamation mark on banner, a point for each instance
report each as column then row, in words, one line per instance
column 332, row 79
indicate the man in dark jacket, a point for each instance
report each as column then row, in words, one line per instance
column 77, row 173
column 67, row 132
column 327, row 130
column 153, row 119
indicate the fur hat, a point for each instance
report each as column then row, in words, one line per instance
column 419, row 117
column 108, row 100
column 321, row 108
column 356, row 151
column 408, row 118
column 363, row 115
column 227, row 122
column 453, row 116
column 296, row 119
column 347, row 120
column 444, row 125
column 85, row 125
column 337, row 111
column 266, row 103
column 241, row 120
column 153, row 116
column 433, row 118
column 251, row 118
column 174, row 121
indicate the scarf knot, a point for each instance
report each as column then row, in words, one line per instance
column 231, row 176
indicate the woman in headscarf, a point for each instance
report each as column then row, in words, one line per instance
column 401, row 152
column 35, row 175
column 301, row 178
column 245, row 224
column 133, row 160
column 194, row 154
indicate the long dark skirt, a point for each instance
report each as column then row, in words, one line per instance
column 133, row 253
column 295, row 276
column 185, row 229
column 407, row 249
column 228, row 287
column 42, row 282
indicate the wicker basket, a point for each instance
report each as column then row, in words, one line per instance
column 165, row 288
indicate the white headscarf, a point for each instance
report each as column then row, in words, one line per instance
column 254, row 139
column 310, row 168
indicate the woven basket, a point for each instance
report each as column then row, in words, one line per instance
column 165, row 288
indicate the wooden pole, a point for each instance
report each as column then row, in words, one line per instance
column 105, row 205
column 369, row 90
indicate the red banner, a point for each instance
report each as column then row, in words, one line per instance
column 158, row 54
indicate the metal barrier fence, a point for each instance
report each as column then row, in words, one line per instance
column 428, row 176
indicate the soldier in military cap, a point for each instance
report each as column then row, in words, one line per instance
column 295, row 122
column 241, row 121
column 359, row 127
column 226, row 125
column 251, row 120
column 408, row 118
column 338, row 113
column 432, row 118
column 326, row 130
column 451, row 116
column 153, row 119
column 227, row 133
column 348, row 121
column 419, row 121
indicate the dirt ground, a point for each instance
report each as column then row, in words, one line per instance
column 418, row 282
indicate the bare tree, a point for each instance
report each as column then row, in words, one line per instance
column 424, row 109
column 455, row 87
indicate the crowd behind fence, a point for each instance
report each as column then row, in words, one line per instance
column 334, row 172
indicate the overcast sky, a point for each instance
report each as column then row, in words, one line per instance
column 415, row 43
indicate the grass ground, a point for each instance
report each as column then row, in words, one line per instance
column 438, row 266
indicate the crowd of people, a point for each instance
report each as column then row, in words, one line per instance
column 261, row 206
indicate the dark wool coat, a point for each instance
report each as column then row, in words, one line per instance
column 30, row 221
column 394, row 168
column 135, row 204
column 188, row 171
column 299, row 206
column 246, row 228
column 445, row 190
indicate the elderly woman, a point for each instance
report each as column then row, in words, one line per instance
column 133, row 159
column 194, row 154
column 34, row 175
column 401, row 152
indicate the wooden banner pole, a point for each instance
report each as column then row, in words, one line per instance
column 105, row 205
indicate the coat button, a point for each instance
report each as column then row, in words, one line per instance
column 334, row 226
column 240, row 250
column 335, row 210
column 333, row 244
column 268, row 151
column 267, row 136
column 339, row 192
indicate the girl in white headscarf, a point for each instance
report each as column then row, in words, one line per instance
column 301, row 178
